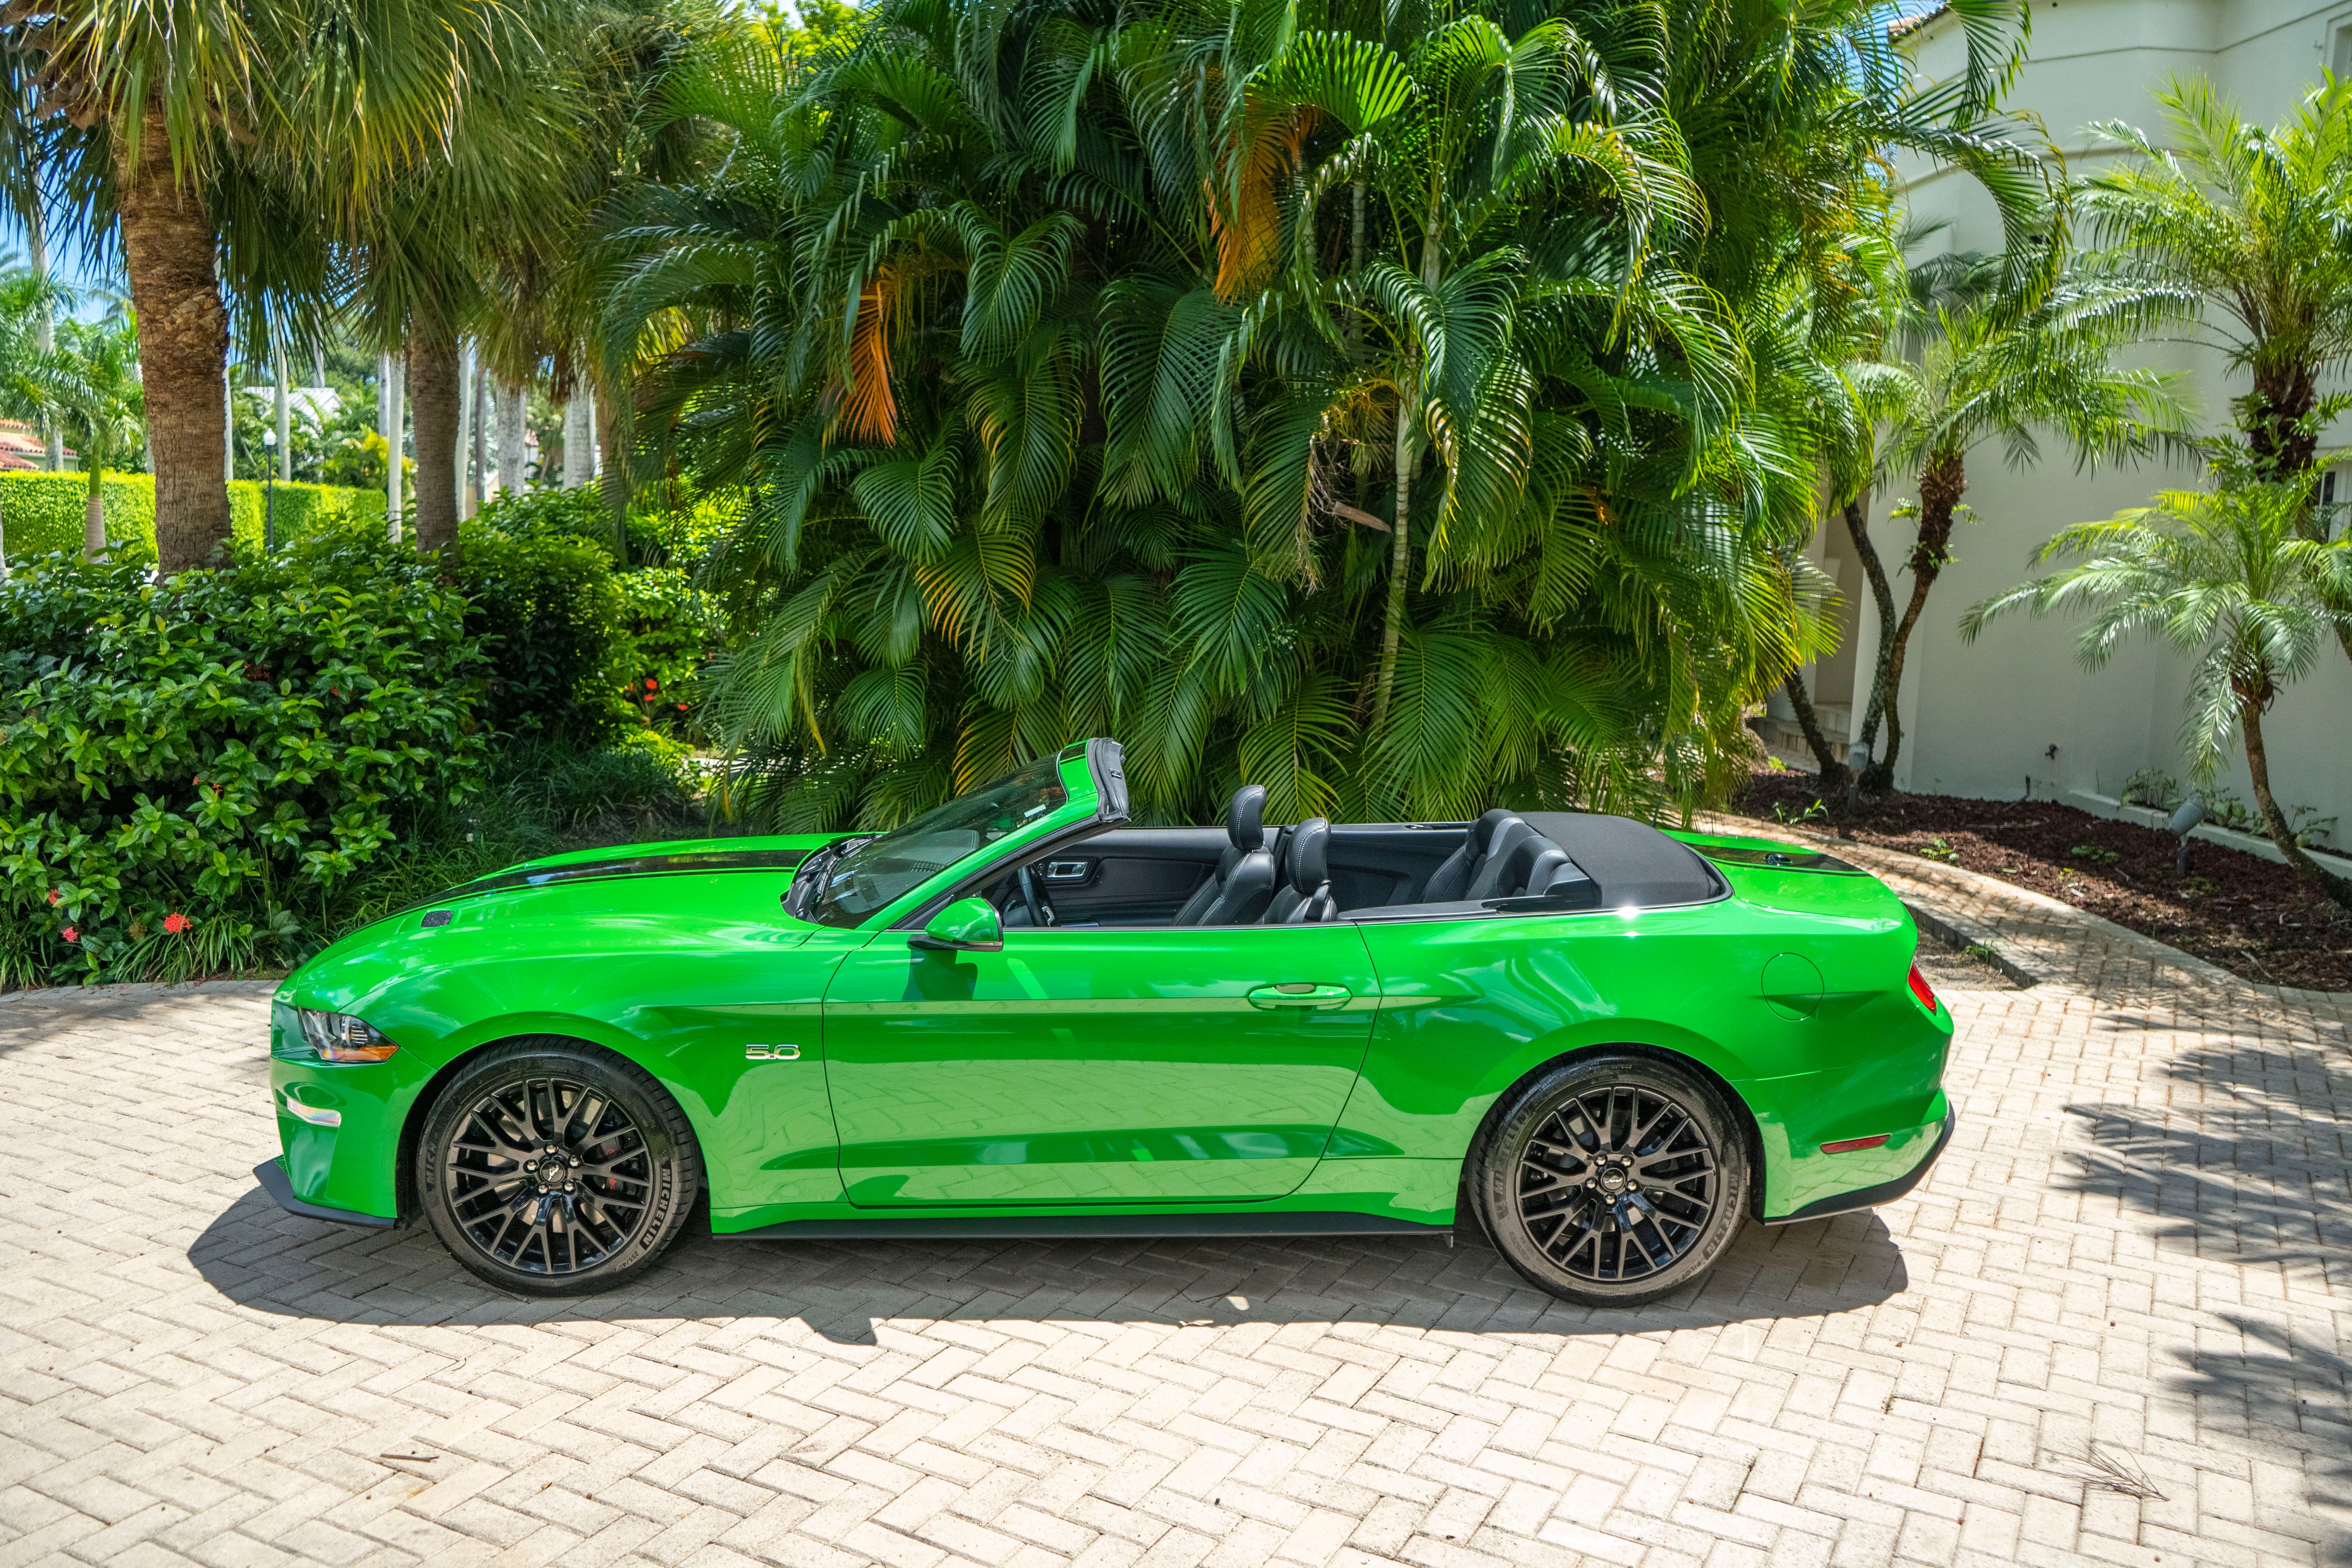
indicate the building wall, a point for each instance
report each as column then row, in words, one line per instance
column 1983, row 719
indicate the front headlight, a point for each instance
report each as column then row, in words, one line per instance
column 340, row 1037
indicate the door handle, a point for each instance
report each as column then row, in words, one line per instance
column 1300, row 994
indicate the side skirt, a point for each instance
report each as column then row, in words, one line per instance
column 1088, row 1227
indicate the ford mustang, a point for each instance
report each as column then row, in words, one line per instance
column 1606, row 1046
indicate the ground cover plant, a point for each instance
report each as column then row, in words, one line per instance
column 2250, row 915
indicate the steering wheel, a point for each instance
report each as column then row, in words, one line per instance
column 1032, row 898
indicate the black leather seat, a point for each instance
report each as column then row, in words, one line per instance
column 1304, row 896
column 1451, row 881
column 1237, row 890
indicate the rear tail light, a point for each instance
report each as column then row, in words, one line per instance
column 1921, row 989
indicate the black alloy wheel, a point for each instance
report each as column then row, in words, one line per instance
column 1615, row 1179
column 555, row 1168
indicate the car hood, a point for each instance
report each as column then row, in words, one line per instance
column 682, row 893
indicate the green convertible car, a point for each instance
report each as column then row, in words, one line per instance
column 1016, row 1016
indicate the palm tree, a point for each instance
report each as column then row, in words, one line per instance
column 105, row 417
column 1071, row 363
column 2252, row 219
column 1989, row 365
column 36, row 380
column 2233, row 577
column 163, row 121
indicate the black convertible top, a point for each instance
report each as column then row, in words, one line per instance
column 1633, row 862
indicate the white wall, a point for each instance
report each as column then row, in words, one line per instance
column 1981, row 718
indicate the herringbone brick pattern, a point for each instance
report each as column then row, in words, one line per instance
column 2111, row 1328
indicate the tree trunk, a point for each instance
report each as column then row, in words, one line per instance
column 1833, row 771
column 1400, row 561
column 465, row 428
column 167, row 250
column 514, row 457
column 1860, row 741
column 435, row 388
column 285, row 423
column 611, row 415
column 391, row 371
column 45, row 325
column 2284, row 446
column 478, row 400
column 93, row 509
column 1408, row 452
column 1941, row 485
column 579, row 437
column 2275, row 822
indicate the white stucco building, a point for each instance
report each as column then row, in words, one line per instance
column 2014, row 710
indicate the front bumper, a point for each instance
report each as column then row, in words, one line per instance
column 271, row 1175
column 1872, row 1197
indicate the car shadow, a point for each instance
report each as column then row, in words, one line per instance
column 262, row 1257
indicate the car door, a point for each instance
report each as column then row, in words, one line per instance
column 1095, row 1065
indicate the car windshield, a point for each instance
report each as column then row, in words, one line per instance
column 874, row 873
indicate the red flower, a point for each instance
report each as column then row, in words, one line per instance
column 651, row 684
column 681, row 707
column 175, row 923
column 71, row 934
column 53, row 898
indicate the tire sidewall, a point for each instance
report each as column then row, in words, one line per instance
column 1498, row 1165
column 669, row 1144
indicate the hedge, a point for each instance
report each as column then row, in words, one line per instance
column 42, row 513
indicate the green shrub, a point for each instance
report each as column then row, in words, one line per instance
column 673, row 632
column 43, row 512
column 300, row 511
column 229, row 748
column 552, row 622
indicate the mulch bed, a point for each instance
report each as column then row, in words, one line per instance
column 2250, row 915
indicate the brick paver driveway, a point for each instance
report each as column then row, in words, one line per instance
column 2114, row 1327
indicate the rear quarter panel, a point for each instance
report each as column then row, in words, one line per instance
column 1470, row 1007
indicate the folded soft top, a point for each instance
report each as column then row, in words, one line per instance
column 1635, row 863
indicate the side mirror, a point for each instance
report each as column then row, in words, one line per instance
column 967, row 925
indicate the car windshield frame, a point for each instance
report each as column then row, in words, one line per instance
column 866, row 878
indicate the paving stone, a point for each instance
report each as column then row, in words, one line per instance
column 2110, row 1328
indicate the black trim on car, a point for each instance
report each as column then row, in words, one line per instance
column 1088, row 1227
column 271, row 1175
column 1107, row 761
column 1778, row 860
column 1872, row 1197
column 681, row 863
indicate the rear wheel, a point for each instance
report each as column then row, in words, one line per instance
column 553, row 1168
column 1612, row 1181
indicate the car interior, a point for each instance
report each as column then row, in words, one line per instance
column 1250, row 873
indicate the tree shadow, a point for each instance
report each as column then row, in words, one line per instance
column 2285, row 1389
column 262, row 1257
column 2244, row 1163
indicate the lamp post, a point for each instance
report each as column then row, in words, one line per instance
column 270, row 491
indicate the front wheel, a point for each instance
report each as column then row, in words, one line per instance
column 1612, row 1181
column 553, row 1168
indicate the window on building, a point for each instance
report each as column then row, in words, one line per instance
column 2339, row 57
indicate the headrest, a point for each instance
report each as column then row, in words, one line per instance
column 1482, row 832
column 1309, row 851
column 1246, row 817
